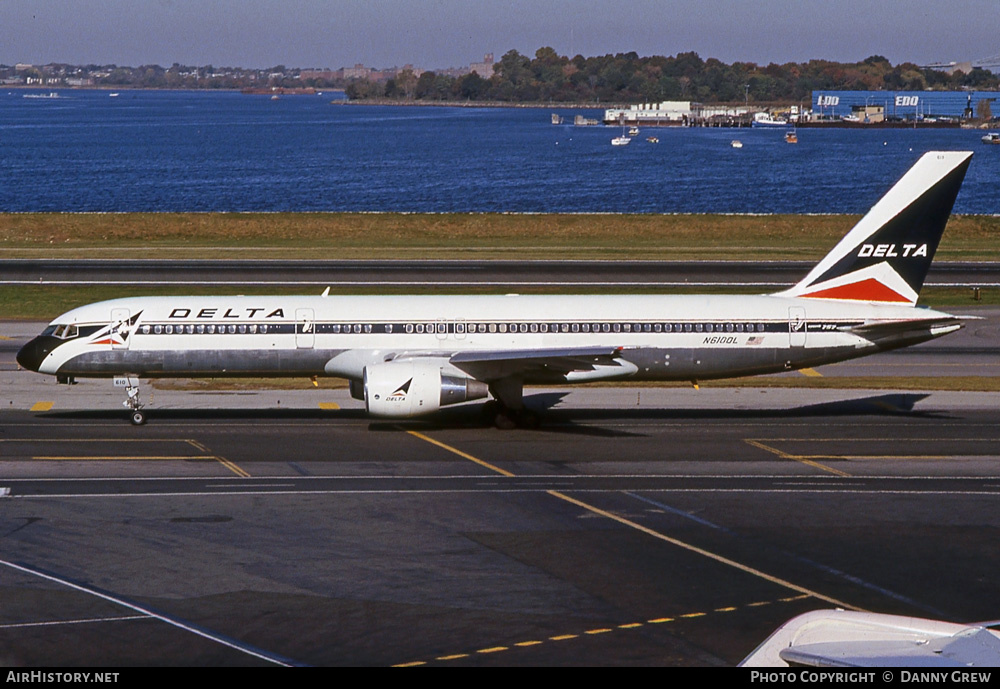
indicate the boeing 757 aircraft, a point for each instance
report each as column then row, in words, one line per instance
column 410, row 355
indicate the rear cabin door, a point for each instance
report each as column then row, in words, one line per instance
column 305, row 328
column 796, row 326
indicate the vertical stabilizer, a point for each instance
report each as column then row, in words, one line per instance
column 886, row 256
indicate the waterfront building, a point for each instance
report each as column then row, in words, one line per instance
column 907, row 105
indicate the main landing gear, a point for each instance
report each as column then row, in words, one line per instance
column 497, row 414
column 506, row 410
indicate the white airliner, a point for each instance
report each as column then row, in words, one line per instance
column 411, row 355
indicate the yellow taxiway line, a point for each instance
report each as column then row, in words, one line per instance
column 652, row 532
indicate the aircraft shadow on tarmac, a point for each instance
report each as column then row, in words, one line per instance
column 552, row 419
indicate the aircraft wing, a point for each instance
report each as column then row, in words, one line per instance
column 491, row 364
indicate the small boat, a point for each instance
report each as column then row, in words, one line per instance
column 51, row 94
column 991, row 138
column 736, row 143
column 652, row 139
column 633, row 131
column 621, row 141
column 113, row 95
column 764, row 119
column 791, row 137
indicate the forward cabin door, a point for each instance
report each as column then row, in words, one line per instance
column 120, row 334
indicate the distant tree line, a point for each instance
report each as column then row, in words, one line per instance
column 628, row 78
column 547, row 78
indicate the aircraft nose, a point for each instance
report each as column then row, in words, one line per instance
column 32, row 354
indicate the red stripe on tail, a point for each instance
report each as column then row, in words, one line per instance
column 866, row 290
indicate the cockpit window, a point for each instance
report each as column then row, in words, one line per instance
column 65, row 332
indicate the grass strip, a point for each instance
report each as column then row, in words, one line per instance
column 454, row 235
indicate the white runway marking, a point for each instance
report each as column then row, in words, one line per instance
column 204, row 633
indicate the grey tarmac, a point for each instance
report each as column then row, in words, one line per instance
column 636, row 526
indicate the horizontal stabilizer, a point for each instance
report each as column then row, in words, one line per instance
column 879, row 329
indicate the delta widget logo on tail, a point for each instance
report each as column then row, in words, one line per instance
column 886, row 256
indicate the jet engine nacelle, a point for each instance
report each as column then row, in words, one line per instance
column 409, row 388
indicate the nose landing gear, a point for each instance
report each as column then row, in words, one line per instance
column 133, row 403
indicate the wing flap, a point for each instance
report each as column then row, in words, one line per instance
column 499, row 363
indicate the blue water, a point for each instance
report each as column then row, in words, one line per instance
column 205, row 151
